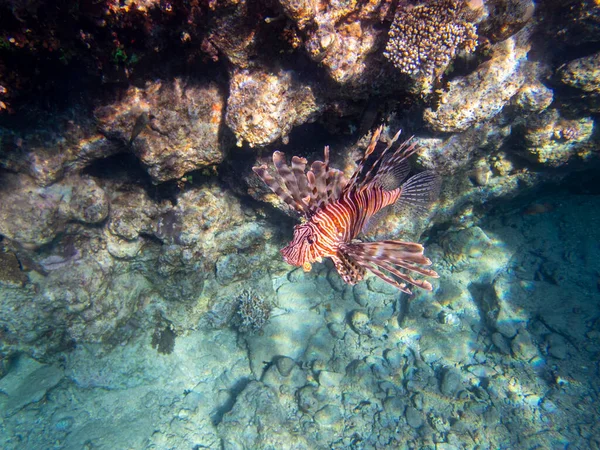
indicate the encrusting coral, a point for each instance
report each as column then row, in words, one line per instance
column 172, row 127
column 483, row 93
column 264, row 106
column 424, row 39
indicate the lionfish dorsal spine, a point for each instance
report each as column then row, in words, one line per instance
column 363, row 175
column 352, row 183
column 276, row 187
column 388, row 169
column 376, row 168
column 307, row 192
column 298, row 169
column 289, row 179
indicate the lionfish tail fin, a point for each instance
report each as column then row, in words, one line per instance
column 391, row 260
column 385, row 167
column 420, row 191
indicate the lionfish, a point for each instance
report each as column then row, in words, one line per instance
column 335, row 210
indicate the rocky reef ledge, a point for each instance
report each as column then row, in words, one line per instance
column 143, row 299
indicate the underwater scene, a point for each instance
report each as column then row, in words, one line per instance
column 299, row 224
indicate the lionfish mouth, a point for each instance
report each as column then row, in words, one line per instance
column 289, row 257
column 294, row 258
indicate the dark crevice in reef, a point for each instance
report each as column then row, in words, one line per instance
column 217, row 416
column 70, row 52
column 127, row 168
column 308, row 140
column 77, row 52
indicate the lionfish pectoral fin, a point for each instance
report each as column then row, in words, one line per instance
column 298, row 170
column 419, row 191
column 391, row 260
column 306, row 191
column 318, row 182
column 350, row 271
column 393, row 177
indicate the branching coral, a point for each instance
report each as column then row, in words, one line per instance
column 253, row 312
column 424, row 39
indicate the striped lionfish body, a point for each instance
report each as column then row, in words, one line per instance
column 336, row 211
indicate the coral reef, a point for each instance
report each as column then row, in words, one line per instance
column 50, row 152
column 10, row 270
column 140, row 264
column 46, row 45
column 583, row 73
column 263, row 107
column 69, row 274
column 505, row 18
column 252, row 312
column 236, row 34
column 173, row 128
column 553, row 140
column 482, row 94
column 424, row 39
column 32, row 216
column 572, row 22
column 342, row 37
column 133, row 213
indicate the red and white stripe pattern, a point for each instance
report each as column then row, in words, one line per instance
column 336, row 212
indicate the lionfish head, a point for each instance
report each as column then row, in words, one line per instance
column 301, row 251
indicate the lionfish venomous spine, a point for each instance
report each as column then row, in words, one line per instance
column 336, row 210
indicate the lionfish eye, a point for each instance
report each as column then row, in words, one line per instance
column 310, row 240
